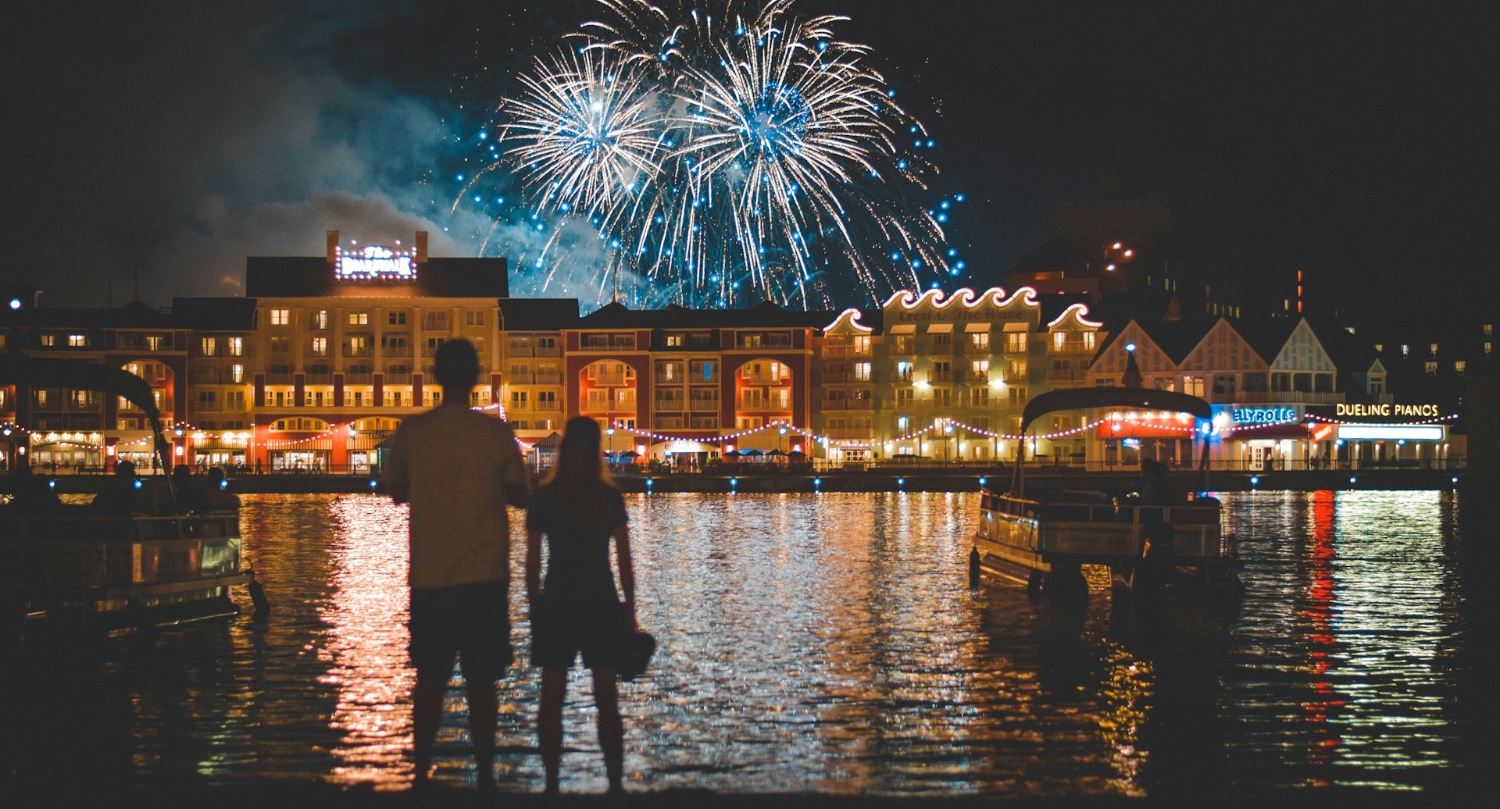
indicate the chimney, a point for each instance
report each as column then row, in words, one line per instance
column 421, row 247
column 333, row 246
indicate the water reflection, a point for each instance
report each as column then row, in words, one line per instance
column 825, row 643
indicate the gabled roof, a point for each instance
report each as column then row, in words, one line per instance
column 1349, row 353
column 1178, row 338
column 214, row 314
column 134, row 315
column 538, row 314
column 616, row 315
column 312, row 277
column 1267, row 335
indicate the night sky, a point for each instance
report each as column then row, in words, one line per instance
column 159, row 144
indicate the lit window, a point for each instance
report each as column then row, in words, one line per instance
column 1430, row 367
column 78, row 340
column 1405, row 350
column 862, row 371
column 1434, row 349
column 1458, row 367
column 980, row 340
column 49, row 340
column 235, row 345
column 236, row 373
column 320, row 346
column 359, row 318
column 1489, row 329
column 280, row 317
column 210, row 346
column 320, row 319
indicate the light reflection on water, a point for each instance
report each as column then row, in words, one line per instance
column 828, row 643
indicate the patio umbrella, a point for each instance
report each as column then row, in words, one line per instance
column 796, row 453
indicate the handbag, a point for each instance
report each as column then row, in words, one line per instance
column 638, row 650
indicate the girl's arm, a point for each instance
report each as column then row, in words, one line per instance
column 627, row 569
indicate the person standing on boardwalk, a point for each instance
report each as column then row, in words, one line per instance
column 458, row 469
column 578, row 611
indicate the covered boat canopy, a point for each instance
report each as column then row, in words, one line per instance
column 1083, row 398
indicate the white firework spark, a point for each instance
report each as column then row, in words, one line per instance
column 727, row 160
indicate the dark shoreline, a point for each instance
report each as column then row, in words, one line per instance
column 316, row 794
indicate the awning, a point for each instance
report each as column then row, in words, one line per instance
column 940, row 328
column 1252, row 432
column 903, row 328
column 976, row 327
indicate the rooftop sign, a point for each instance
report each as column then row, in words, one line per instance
column 375, row 263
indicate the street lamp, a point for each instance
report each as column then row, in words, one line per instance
column 611, row 433
column 947, row 434
column 778, row 441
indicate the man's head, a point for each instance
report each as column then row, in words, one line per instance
column 181, row 472
column 216, row 475
column 125, row 469
column 456, row 366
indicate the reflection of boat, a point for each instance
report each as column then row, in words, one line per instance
column 1146, row 538
column 72, row 566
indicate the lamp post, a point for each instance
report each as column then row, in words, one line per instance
column 782, row 431
column 947, row 435
column 610, row 431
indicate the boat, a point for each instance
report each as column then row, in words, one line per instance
column 71, row 567
column 1163, row 537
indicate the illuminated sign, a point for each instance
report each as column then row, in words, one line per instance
column 1263, row 415
column 1387, row 409
column 375, row 263
column 1390, row 432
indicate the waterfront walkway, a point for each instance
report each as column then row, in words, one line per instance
column 887, row 479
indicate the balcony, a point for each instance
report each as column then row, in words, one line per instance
column 398, row 378
column 670, row 405
column 547, row 378
column 835, row 377
column 319, row 379
column 549, row 407
column 278, row 379
column 359, row 379
column 703, row 405
column 611, row 379
column 360, row 351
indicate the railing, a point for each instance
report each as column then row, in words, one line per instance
column 398, row 379
column 359, row 379
column 703, row 405
column 549, row 407
column 278, row 379
column 319, row 379
column 609, row 379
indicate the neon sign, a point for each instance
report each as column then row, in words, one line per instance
column 1386, row 409
column 1263, row 415
column 375, row 263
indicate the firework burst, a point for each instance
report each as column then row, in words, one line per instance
column 724, row 160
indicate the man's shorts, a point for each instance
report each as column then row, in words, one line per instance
column 562, row 629
column 467, row 621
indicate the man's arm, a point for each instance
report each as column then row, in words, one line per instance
column 393, row 476
column 517, row 481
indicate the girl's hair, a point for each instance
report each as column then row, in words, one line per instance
column 579, row 460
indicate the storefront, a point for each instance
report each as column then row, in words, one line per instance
column 1256, row 438
column 1400, row 435
column 1125, row 438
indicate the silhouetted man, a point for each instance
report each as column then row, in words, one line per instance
column 458, row 469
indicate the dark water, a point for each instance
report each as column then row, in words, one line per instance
column 828, row 643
